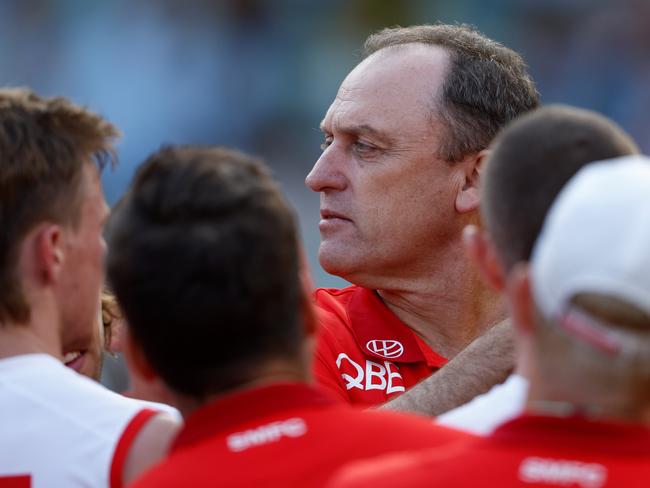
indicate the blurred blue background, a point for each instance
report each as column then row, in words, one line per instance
column 259, row 74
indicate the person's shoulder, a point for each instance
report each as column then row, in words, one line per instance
column 331, row 436
column 101, row 403
column 397, row 469
column 46, row 382
column 395, row 429
column 410, row 421
column 442, row 464
column 86, row 425
column 205, row 463
column 88, row 406
column 146, row 440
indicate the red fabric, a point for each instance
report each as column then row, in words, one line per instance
column 20, row 481
column 351, row 321
column 283, row 435
column 124, row 445
column 530, row 451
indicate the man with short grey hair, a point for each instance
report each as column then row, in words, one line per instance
column 405, row 141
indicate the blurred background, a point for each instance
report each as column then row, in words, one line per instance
column 260, row 74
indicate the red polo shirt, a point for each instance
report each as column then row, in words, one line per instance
column 364, row 354
column 283, row 435
column 527, row 451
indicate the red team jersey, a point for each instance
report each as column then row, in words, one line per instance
column 364, row 354
column 283, row 435
column 529, row 451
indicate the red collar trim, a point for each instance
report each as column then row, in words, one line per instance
column 576, row 432
column 380, row 334
column 237, row 408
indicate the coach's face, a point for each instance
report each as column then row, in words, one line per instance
column 387, row 200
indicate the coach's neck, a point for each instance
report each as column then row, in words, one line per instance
column 445, row 302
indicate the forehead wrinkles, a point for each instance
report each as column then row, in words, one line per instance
column 340, row 107
column 358, row 105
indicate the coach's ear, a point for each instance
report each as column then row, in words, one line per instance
column 468, row 197
column 480, row 250
column 136, row 360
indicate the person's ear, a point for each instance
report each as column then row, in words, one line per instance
column 48, row 252
column 136, row 359
column 468, row 196
column 520, row 299
column 481, row 252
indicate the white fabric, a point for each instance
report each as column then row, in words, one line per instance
column 56, row 425
column 486, row 412
column 161, row 407
column 596, row 237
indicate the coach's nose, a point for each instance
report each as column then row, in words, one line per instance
column 327, row 173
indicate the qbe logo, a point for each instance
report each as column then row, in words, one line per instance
column 388, row 349
column 374, row 376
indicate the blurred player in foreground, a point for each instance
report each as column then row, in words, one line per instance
column 203, row 258
column 531, row 161
column 583, row 319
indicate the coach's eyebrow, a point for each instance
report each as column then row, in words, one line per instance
column 361, row 129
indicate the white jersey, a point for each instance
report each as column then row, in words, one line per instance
column 485, row 412
column 60, row 429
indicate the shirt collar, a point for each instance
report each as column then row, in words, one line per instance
column 576, row 432
column 380, row 334
column 237, row 408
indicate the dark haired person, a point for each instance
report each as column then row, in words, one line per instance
column 58, row 428
column 582, row 314
column 530, row 161
column 206, row 231
column 405, row 141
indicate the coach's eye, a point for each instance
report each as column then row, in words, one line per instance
column 363, row 149
column 326, row 143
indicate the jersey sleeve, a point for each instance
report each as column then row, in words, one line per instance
column 125, row 443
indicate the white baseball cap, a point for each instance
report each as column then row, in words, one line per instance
column 596, row 238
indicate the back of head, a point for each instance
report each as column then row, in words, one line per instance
column 44, row 144
column 590, row 277
column 203, row 259
column 487, row 85
column 531, row 160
